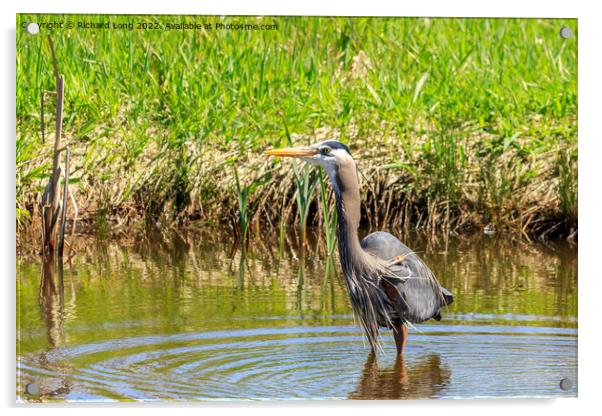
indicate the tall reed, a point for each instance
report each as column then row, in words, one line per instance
column 242, row 193
column 329, row 218
column 305, row 189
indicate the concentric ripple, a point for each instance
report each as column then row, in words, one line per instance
column 309, row 363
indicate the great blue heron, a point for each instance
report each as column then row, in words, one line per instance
column 388, row 284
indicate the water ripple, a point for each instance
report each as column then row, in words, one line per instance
column 309, row 363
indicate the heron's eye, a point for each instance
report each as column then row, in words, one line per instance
column 325, row 150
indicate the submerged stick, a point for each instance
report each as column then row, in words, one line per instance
column 61, row 243
column 51, row 209
column 74, row 223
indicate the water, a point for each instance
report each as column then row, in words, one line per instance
column 192, row 318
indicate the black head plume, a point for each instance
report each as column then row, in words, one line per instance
column 335, row 144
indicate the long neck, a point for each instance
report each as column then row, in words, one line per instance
column 367, row 300
column 346, row 188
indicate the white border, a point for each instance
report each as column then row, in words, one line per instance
column 590, row 202
column 467, row 8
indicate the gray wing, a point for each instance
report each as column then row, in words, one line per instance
column 413, row 290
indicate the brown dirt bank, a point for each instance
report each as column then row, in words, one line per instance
column 474, row 182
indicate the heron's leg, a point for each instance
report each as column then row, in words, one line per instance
column 400, row 333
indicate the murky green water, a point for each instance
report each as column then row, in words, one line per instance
column 190, row 318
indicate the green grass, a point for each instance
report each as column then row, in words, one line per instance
column 470, row 116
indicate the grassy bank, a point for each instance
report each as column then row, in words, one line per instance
column 457, row 124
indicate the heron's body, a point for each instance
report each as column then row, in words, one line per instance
column 418, row 300
column 389, row 285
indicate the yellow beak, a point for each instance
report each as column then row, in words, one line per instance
column 293, row 152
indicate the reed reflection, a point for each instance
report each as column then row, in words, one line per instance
column 52, row 302
column 52, row 309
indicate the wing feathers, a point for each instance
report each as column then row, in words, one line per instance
column 413, row 290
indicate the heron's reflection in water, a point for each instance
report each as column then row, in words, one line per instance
column 421, row 379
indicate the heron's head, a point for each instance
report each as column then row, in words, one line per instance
column 336, row 159
column 330, row 154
